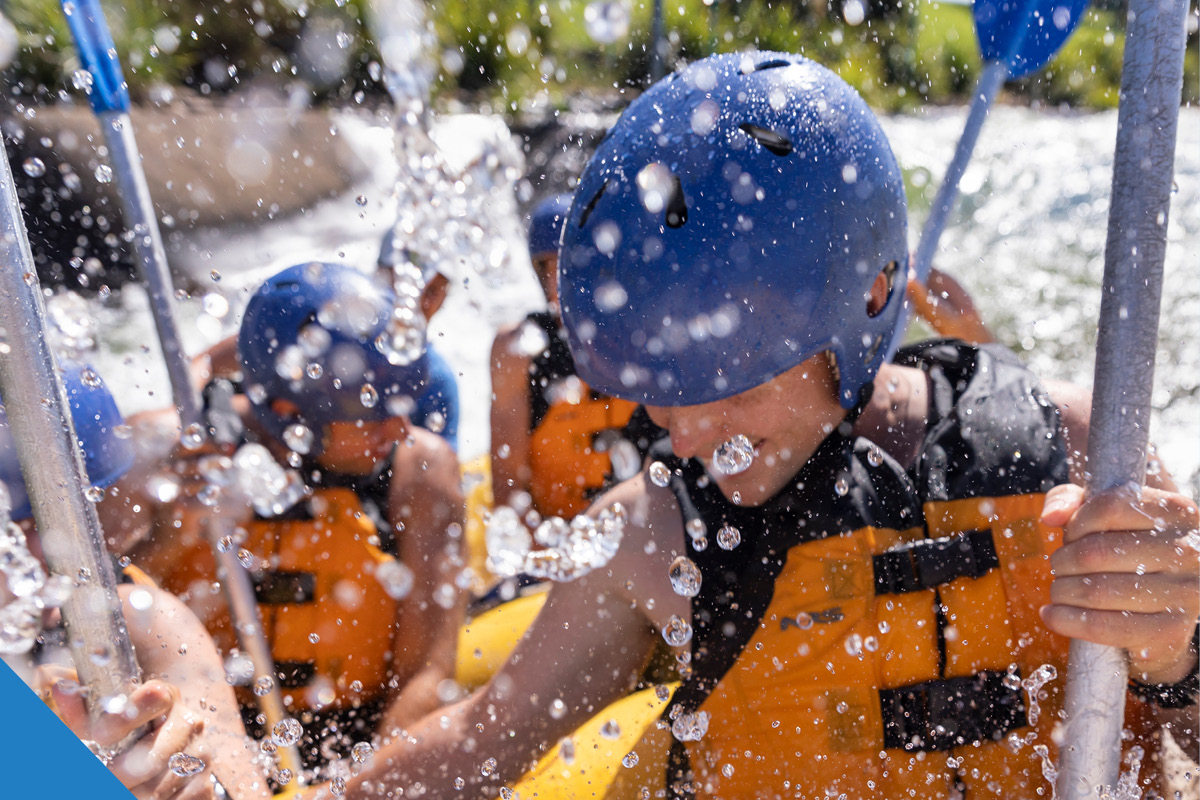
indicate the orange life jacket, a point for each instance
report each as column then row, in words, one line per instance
column 870, row 635
column 330, row 623
column 569, row 457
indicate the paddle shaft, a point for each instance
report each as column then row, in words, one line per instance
column 36, row 403
column 110, row 101
column 658, row 61
column 993, row 77
column 1143, row 166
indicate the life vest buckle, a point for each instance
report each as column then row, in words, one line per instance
column 935, row 562
column 951, row 712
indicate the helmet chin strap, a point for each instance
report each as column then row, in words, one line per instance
column 860, row 405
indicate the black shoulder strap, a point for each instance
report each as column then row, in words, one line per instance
column 548, row 367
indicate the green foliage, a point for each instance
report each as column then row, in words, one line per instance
column 206, row 45
column 509, row 54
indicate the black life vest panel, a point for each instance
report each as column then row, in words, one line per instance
column 873, row 616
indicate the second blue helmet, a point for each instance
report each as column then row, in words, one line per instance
column 322, row 337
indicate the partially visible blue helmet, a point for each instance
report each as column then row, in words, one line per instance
column 320, row 336
column 729, row 227
column 546, row 224
column 94, row 412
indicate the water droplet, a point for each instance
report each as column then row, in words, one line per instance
column 184, row 766
column 728, row 537
column 558, row 709
column 361, row 752
column 700, row 544
column 283, row 777
column 566, row 750
column 264, row 685
column 314, row 638
column 298, row 438
column 396, row 578
column 193, row 436
column 94, row 493
column 488, row 768
column 854, row 645
column 361, row 200
column 287, row 732
column 733, row 456
column 34, row 167
column 874, row 456
column 245, row 558
column 677, row 632
column 803, row 620
column 841, row 486
column 685, row 577
column 610, row 730
column 630, row 759
column 104, row 174
column 368, row 396
column 695, row 528
column 659, row 474
column 689, row 727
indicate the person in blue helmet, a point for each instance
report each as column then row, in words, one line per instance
column 436, row 406
column 356, row 557
column 184, row 702
column 866, row 571
column 555, row 442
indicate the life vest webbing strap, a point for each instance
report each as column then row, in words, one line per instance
column 935, row 562
column 279, row 587
column 952, row 712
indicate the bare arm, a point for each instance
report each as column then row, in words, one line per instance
column 586, row 648
column 426, row 501
column 945, row 305
column 511, row 469
column 172, row 645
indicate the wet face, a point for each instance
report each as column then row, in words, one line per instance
column 545, row 265
column 785, row 420
column 358, row 446
column 352, row 445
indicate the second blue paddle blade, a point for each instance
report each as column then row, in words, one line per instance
column 1025, row 33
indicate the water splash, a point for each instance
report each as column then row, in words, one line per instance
column 25, row 581
column 567, row 550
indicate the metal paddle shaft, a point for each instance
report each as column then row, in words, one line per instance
column 109, row 97
column 1151, row 83
column 38, row 412
column 151, row 257
column 993, row 77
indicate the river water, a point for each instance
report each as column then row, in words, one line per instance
column 1027, row 242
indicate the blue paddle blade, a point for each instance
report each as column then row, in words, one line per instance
column 1025, row 34
column 94, row 44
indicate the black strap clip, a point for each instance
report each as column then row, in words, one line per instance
column 952, row 712
column 935, row 562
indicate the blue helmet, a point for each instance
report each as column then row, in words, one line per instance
column 329, row 340
column 546, row 224
column 106, row 455
column 729, row 227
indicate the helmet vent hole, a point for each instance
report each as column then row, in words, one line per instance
column 778, row 144
column 881, row 292
column 772, row 64
column 591, row 206
column 676, row 210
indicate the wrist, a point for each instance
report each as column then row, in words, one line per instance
column 1174, row 688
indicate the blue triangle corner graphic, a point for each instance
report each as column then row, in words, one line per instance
column 40, row 757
